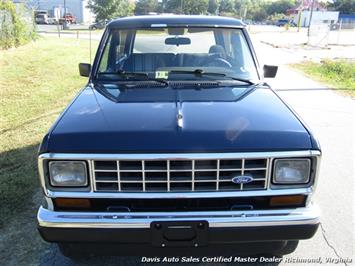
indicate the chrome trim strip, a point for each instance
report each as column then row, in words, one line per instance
column 177, row 156
column 243, row 167
column 49, row 202
column 47, row 218
column 218, row 173
column 168, row 174
column 177, row 195
column 193, row 175
column 92, row 176
column 143, row 175
column 118, row 176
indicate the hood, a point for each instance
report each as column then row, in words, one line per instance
column 146, row 121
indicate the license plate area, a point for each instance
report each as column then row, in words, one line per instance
column 179, row 234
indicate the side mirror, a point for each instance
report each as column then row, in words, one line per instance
column 270, row 71
column 84, row 69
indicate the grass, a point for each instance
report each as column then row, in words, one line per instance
column 36, row 82
column 339, row 74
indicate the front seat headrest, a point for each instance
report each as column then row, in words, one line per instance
column 217, row 49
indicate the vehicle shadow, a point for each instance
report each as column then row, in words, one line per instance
column 20, row 198
column 18, row 180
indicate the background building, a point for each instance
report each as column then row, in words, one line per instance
column 318, row 17
column 57, row 8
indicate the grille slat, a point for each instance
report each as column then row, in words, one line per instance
column 178, row 175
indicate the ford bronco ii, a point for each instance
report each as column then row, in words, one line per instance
column 176, row 143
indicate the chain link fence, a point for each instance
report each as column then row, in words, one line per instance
column 340, row 33
column 319, row 34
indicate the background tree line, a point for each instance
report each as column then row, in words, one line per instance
column 254, row 10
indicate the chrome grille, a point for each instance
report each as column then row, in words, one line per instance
column 178, row 175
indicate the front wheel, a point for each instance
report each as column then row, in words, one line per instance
column 70, row 252
column 287, row 249
column 290, row 247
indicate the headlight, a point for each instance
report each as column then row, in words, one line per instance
column 67, row 174
column 291, row 171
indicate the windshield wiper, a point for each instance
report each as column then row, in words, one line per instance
column 128, row 75
column 201, row 73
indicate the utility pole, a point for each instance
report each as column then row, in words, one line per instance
column 310, row 19
column 245, row 13
column 181, row 3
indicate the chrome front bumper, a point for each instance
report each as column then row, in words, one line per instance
column 216, row 219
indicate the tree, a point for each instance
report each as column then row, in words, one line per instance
column 146, row 6
column 257, row 14
column 226, row 6
column 195, row 7
column 243, row 7
column 174, row 6
column 212, row 6
column 279, row 6
column 344, row 6
column 191, row 7
column 109, row 9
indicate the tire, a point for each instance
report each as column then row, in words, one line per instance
column 70, row 252
column 287, row 249
column 290, row 247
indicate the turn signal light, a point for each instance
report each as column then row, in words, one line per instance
column 72, row 203
column 297, row 200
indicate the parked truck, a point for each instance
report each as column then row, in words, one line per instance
column 178, row 145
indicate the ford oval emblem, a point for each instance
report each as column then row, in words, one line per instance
column 242, row 179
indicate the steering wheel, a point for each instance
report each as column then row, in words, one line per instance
column 218, row 62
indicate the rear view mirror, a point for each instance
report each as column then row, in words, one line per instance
column 84, row 69
column 270, row 71
column 177, row 41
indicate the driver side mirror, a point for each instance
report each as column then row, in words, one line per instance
column 270, row 71
column 84, row 69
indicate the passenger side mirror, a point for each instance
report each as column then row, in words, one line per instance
column 270, row 71
column 84, row 69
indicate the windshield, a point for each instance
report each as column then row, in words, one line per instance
column 176, row 53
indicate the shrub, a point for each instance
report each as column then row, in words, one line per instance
column 14, row 29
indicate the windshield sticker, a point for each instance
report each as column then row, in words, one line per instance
column 161, row 74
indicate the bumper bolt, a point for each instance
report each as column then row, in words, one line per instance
column 196, row 245
column 163, row 245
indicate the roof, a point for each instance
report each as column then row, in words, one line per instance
column 174, row 20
